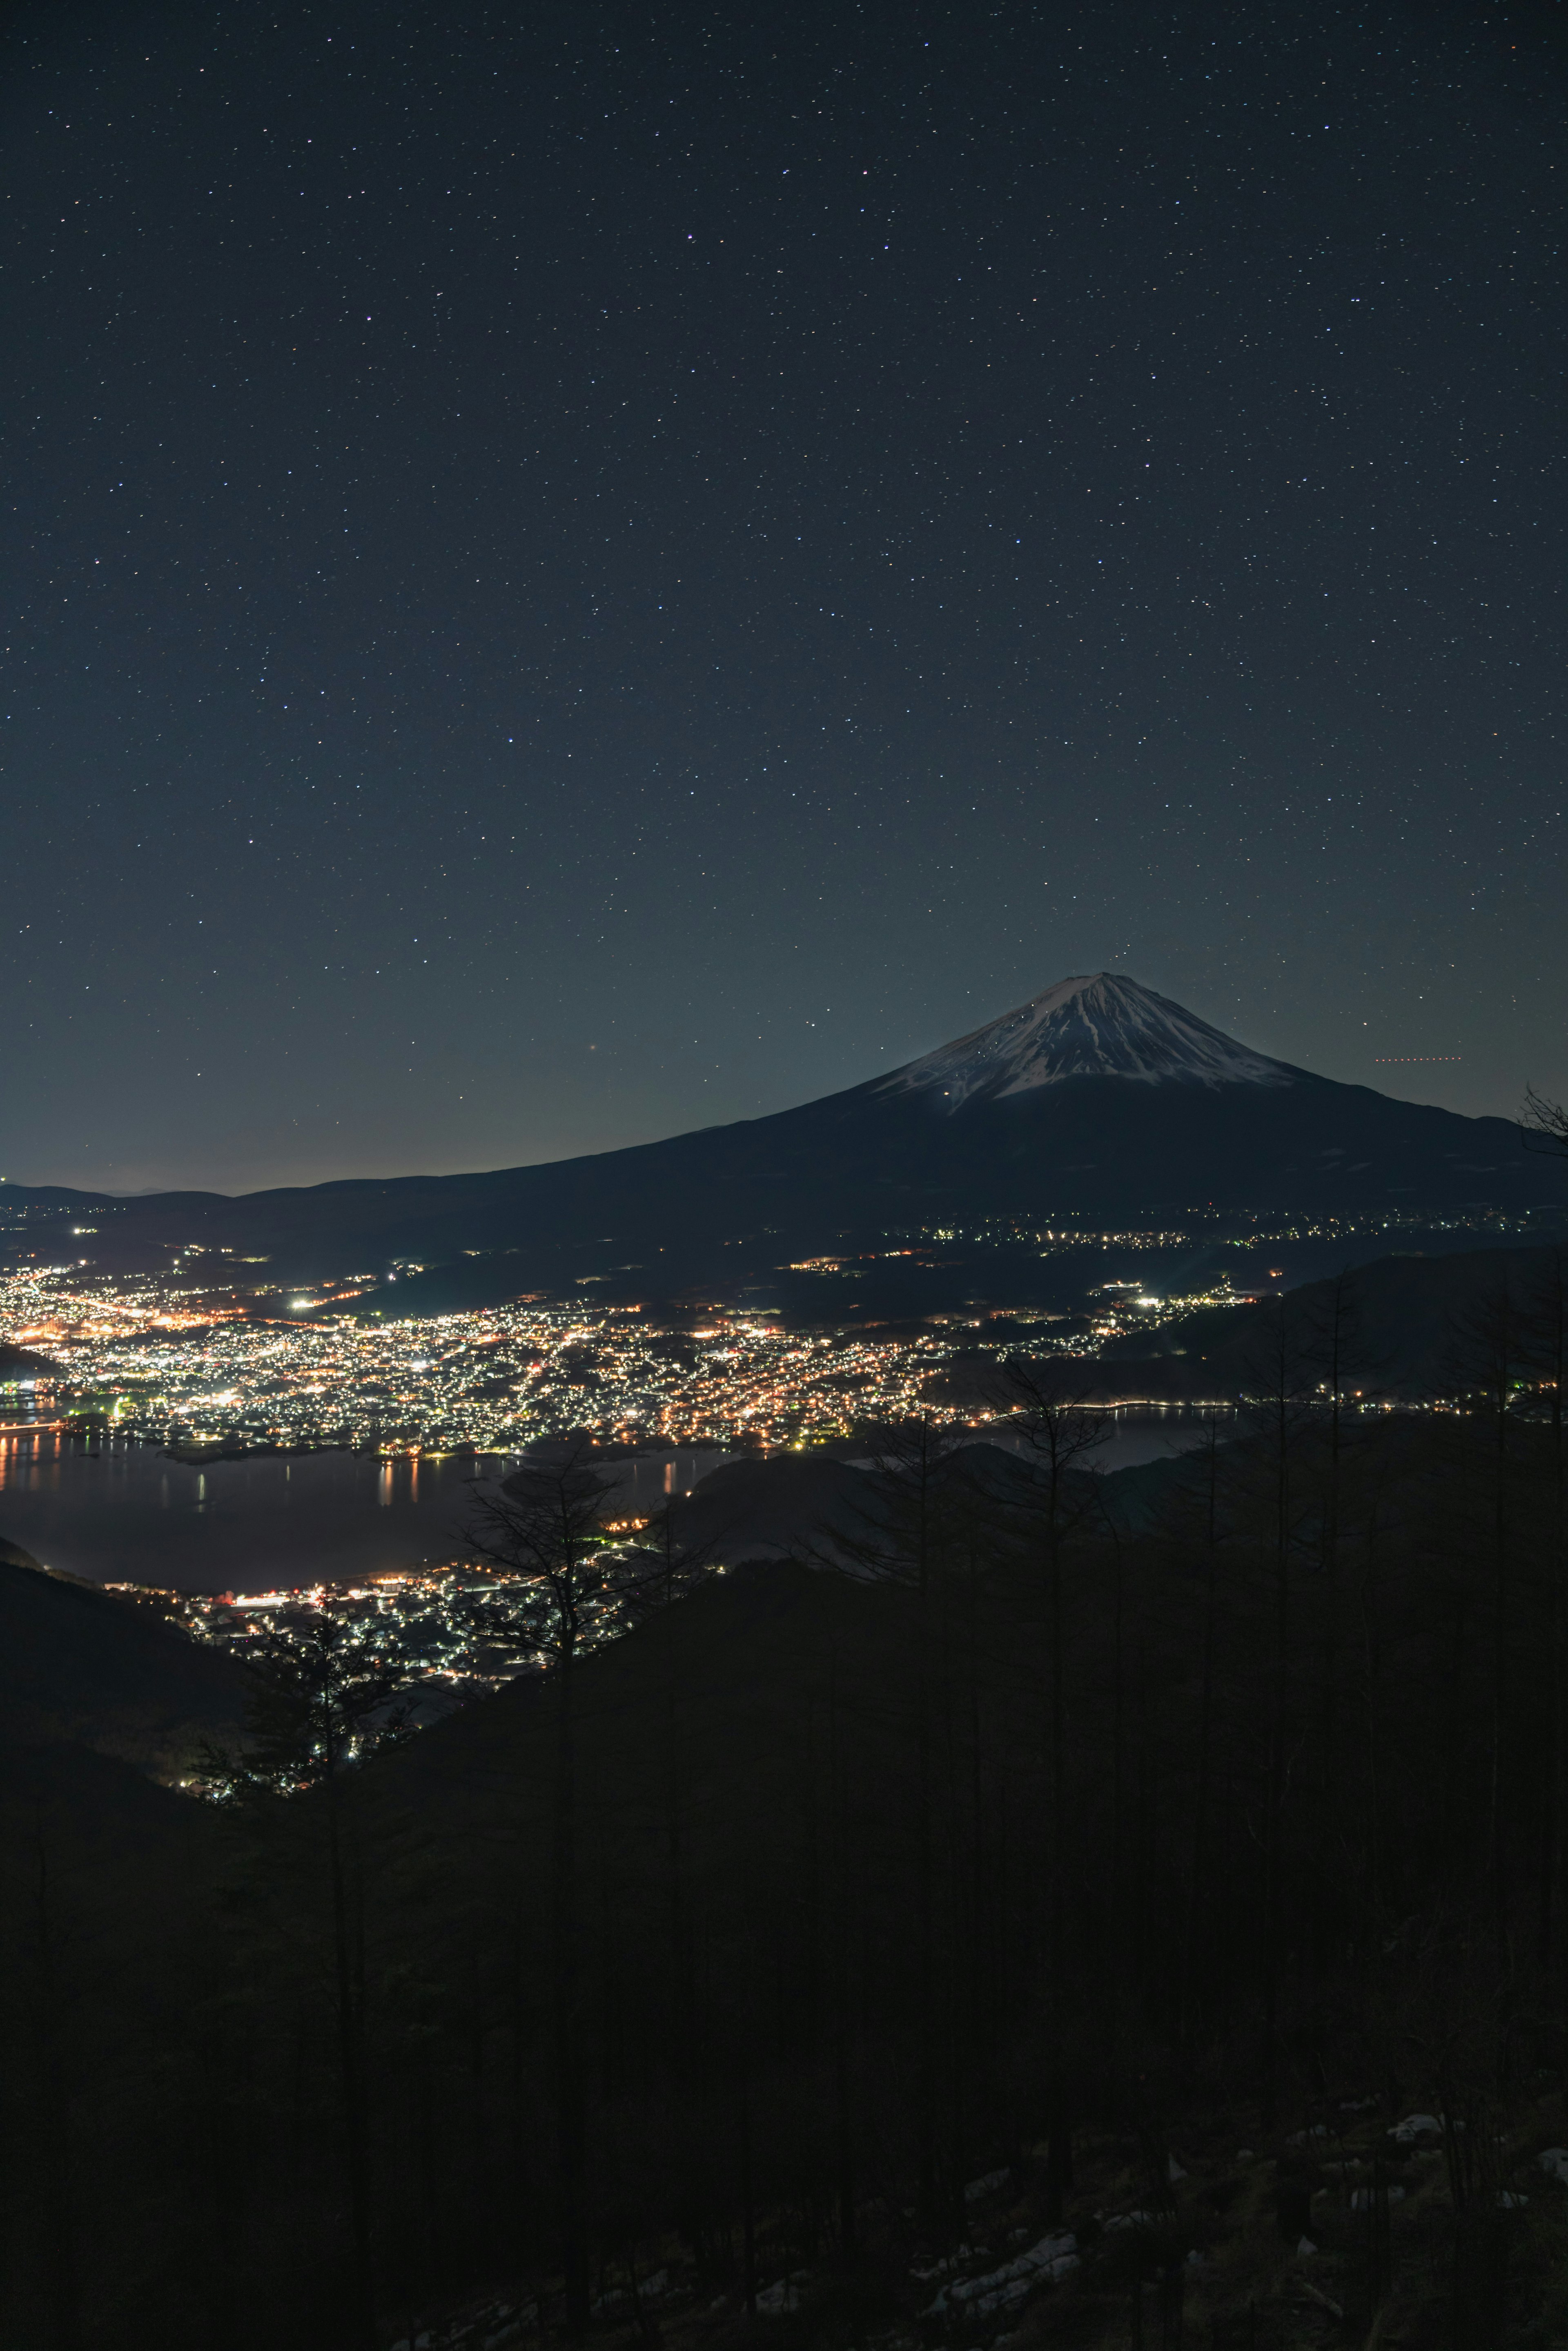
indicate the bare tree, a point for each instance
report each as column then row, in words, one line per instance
column 1488, row 1360
column 320, row 1701
column 1277, row 1396
column 905, row 1535
column 1194, row 1519
column 1546, row 1325
column 1060, row 1434
column 910, row 1526
column 1544, row 1127
column 670, row 1560
column 1336, row 1351
column 543, row 1529
column 51, row 2044
column 673, row 1559
column 1543, row 1124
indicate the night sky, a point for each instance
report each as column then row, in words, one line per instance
column 573, row 573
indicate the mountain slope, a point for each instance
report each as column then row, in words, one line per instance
column 1099, row 1100
column 80, row 1667
column 1098, row 1025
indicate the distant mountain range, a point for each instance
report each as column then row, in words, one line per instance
column 1097, row 1102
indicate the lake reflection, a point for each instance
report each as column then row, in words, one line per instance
column 116, row 1511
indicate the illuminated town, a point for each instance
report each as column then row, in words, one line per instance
column 203, row 1371
column 164, row 1366
column 203, row 1368
column 445, row 1633
column 167, row 1363
column 174, row 1361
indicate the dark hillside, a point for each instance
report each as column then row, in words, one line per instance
column 1403, row 1342
column 789, row 1505
column 106, row 1884
column 79, row 1664
column 1092, row 1840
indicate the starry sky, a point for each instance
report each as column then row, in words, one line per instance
column 575, row 573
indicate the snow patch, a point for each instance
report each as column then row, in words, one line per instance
column 1001, row 2289
column 1099, row 1024
column 775, row 2300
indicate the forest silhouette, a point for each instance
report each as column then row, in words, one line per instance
column 1066, row 1834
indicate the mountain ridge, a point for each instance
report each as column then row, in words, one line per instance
column 1094, row 1024
column 1170, row 1117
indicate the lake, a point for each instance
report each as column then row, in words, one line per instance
column 120, row 1512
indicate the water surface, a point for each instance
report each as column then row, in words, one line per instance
column 117, row 1511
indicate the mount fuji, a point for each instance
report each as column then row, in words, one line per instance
column 1096, row 1026
column 1098, row 1103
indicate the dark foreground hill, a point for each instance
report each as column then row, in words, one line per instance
column 1122, row 1851
column 79, row 1667
column 790, row 1506
column 1099, row 1100
column 1411, row 1325
column 1412, row 1330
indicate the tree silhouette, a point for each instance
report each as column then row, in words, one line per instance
column 543, row 1529
column 1059, row 1434
column 1543, row 1124
column 320, row 1701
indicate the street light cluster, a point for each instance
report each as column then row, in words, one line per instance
column 446, row 1632
column 204, row 1370
column 169, row 1365
column 1236, row 1228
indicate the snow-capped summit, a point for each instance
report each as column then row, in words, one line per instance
column 1099, row 1025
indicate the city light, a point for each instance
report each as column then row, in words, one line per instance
column 175, row 1371
column 204, row 1370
